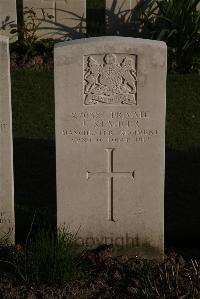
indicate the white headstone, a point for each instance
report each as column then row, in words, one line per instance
column 68, row 18
column 6, row 151
column 110, row 141
column 8, row 18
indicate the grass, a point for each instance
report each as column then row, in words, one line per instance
column 33, row 105
column 50, row 267
column 50, row 258
column 183, row 112
column 47, row 258
column 33, row 108
column 34, row 154
column 34, row 149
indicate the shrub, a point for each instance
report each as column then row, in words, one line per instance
column 28, row 50
column 177, row 23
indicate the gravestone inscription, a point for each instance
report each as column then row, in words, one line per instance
column 6, row 151
column 58, row 19
column 110, row 133
column 8, row 18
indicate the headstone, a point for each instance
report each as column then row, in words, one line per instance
column 118, row 15
column 110, row 141
column 8, row 18
column 67, row 18
column 6, row 151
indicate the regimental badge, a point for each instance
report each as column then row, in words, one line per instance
column 110, row 79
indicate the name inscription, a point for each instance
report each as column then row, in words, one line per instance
column 110, row 127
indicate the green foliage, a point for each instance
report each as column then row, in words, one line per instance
column 28, row 45
column 26, row 51
column 177, row 23
column 95, row 18
column 28, row 29
column 91, row 4
column 51, row 257
column 120, row 277
column 48, row 257
column 183, row 106
column 33, row 106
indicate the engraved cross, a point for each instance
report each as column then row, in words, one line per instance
column 110, row 175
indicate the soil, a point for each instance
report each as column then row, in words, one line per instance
column 36, row 63
column 102, row 276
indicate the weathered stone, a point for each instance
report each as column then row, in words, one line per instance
column 8, row 18
column 110, row 134
column 6, row 151
column 64, row 19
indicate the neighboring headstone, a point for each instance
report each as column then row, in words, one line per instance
column 6, row 151
column 118, row 15
column 8, row 18
column 59, row 19
column 110, row 141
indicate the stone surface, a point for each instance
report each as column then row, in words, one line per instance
column 110, row 141
column 118, row 14
column 69, row 18
column 8, row 15
column 6, row 151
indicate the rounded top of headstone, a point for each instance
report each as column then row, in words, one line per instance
column 113, row 39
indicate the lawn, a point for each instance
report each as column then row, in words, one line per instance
column 33, row 108
column 34, row 154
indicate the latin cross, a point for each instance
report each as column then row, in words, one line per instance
column 110, row 175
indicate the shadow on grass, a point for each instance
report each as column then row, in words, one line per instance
column 35, row 192
column 182, row 199
column 35, row 185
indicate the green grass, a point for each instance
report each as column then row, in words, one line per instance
column 50, row 258
column 34, row 154
column 52, row 267
column 91, row 4
column 33, row 105
column 34, row 149
column 33, row 108
column 183, row 112
column 47, row 257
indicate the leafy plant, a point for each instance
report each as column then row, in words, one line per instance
column 48, row 257
column 28, row 49
column 28, row 29
column 177, row 23
column 126, row 22
column 51, row 257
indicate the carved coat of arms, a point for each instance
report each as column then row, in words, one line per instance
column 111, row 82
